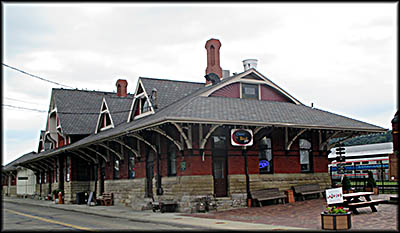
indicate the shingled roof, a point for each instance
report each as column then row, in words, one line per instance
column 119, row 108
column 13, row 165
column 169, row 91
column 194, row 108
column 78, row 110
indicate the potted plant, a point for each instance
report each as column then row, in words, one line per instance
column 371, row 184
column 336, row 218
column 346, row 185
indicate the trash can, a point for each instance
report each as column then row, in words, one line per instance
column 80, row 198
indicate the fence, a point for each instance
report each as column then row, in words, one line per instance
column 358, row 184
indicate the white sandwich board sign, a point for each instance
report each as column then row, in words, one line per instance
column 334, row 196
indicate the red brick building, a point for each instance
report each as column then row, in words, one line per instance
column 180, row 140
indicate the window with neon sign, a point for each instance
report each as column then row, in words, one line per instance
column 265, row 156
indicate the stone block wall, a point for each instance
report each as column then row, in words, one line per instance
column 127, row 192
column 73, row 187
column 186, row 189
column 286, row 181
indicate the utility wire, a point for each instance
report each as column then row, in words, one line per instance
column 23, row 101
column 75, row 113
column 17, row 107
column 35, row 76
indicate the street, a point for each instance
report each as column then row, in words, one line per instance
column 29, row 217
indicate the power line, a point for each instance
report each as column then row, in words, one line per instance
column 43, row 79
column 23, row 108
column 23, row 101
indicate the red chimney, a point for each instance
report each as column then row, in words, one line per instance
column 213, row 66
column 121, row 87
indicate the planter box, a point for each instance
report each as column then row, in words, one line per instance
column 336, row 221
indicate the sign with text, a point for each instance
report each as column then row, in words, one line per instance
column 241, row 137
column 334, row 195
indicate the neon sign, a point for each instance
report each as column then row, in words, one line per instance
column 263, row 164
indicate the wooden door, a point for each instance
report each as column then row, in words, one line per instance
column 220, row 178
column 219, row 152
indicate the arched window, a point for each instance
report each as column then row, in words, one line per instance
column 131, row 165
column 265, row 160
column 171, row 160
column 116, row 168
column 305, row 148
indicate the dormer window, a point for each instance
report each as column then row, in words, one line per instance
column 250, row 91
column 145, row 106
column 104, row 122
column 141, row 105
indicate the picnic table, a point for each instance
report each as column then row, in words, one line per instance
column 359, row 200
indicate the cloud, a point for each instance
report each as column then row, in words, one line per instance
column 341, row 57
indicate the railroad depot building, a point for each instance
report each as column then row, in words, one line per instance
column 178, row 140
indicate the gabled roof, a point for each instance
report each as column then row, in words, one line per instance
column 169, row 91
column 193, row 106
column 46, row 145
column 78, row 110
column 118, row 108
column 248, row 76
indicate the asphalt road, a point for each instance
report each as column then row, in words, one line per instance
column 29, row 217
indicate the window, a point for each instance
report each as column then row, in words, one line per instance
column 219, row 142
column 171, row 160
column 57, row 169
column 116, row 168
column 67, row 168
column 265, row 156
column 145, row 107
column 249, row 91
column 305, row 147
column 131, row 166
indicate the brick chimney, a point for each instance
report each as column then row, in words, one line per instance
column 213, row 66
column 122, row 85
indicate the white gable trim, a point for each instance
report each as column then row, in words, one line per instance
column 106, row 111
column 240, row 79
column 136, row 98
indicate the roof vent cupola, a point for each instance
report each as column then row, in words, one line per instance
column 122, row 85
column 250, row 63
column 213, row 61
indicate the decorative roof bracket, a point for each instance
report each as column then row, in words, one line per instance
column 289, row 144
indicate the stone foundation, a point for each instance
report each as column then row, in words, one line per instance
column 73, row 187
column 186, row 189
column 286, row 181
column 127, row 192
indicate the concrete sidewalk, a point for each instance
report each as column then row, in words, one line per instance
column 154, row 217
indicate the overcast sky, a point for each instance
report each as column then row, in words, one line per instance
column 341, row 57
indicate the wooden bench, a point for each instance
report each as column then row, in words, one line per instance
column 354, row 205
column 268, row 194
column 105, row 199
column 307, row 189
